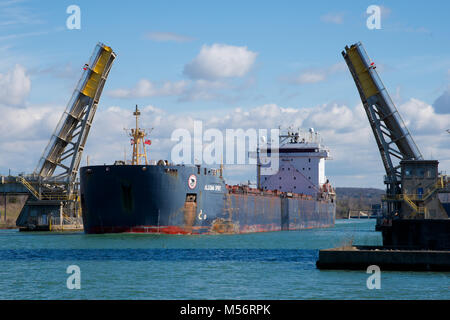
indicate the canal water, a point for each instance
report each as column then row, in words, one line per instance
column 274, row 265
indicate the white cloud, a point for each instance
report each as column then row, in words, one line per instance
column 145, row 88
column 385, row 12
column 61, row 71
column 315, row 75
column 220, row 61
column 24, row 133
column 13, row 14
column 14, row 86
column 345, row 130
column 167, row 37
column 399, row 27
column 205, row 90
column 442, row 103
column 428, row 130
column 310, row 77
column 423, row 118
column 184, row 90
column 211, row 73
column 333, row 17
column 22, row 35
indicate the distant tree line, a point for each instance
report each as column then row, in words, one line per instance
column 356, row 199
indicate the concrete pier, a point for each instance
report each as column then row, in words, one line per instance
column 359, row 258
column 421, row 234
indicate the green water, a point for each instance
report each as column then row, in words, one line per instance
column 275, row 265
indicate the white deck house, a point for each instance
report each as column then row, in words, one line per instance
column 301, row 164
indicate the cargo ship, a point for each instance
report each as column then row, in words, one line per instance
column 141, row 197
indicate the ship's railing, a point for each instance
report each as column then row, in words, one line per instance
column 57, row 196
column 240, row 189
column 55, row 223
column 327, row 188
column 27, row 185
column 301, row 137
column 409, row 199
column 401, row 197
column 417, row 197
column 46, row 195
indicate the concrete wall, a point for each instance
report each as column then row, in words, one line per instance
column 431, row 234
column 14, row 204
column 385, row 259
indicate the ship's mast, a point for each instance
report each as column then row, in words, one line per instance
column 138, row 142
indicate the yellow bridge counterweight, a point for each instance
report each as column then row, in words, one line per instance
column 367, row 85
column 97, row 71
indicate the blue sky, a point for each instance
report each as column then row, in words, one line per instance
column 291, row 60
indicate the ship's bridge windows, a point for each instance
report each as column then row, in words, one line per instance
column 408, row 172
column 420, row 172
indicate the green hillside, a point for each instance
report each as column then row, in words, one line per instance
column 356, row 199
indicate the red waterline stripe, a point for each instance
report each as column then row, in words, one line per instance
column 192, row 230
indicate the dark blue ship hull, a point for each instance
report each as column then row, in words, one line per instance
column 189, row 200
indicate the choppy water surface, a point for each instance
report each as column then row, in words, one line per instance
column 275, row 265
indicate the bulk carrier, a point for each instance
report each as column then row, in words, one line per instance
column 191, row 199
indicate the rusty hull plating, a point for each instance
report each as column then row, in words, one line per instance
column 163, row 199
